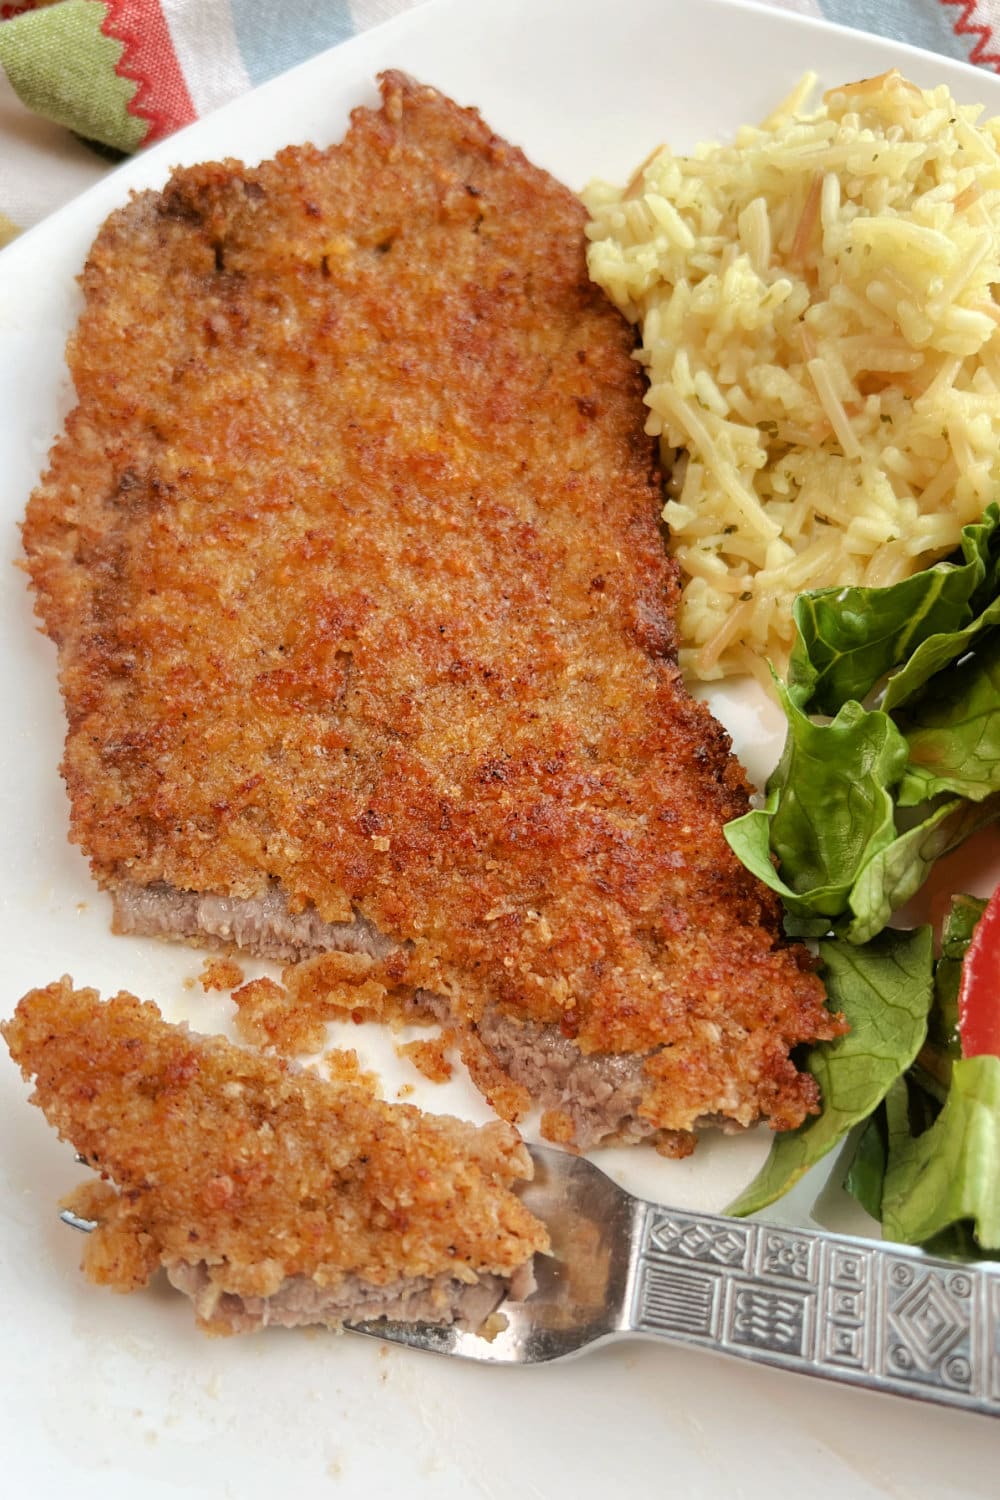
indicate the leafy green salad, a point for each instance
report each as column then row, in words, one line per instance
column 891, row 760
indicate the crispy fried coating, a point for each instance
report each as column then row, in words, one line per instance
column 226, row 1158
column 351, row 552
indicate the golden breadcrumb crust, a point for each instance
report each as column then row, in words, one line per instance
column 351, row 552
column 223, row 1156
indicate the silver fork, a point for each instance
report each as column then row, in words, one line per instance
column 885, row 1317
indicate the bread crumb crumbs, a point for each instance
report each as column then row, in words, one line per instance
column 674, row 1144
column 220, row 974
column 343, row 1066
column 495, row 1324
column 267, row 1016
column 430, row 1057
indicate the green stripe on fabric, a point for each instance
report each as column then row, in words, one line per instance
column 62, row 66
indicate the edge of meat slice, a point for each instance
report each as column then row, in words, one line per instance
column 268, row 1194
column 600, row 1094
column 596, row 1096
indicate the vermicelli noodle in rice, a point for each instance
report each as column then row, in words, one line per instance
column 822, row 339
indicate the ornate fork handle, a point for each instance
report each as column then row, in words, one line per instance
column 875, row 1315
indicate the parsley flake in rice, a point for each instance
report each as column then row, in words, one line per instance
column 822, row 340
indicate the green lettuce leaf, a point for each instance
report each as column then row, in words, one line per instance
column 933, row 656
column 884, row 990
column 958, row 1242
column 982, row 539
column 936, row 652
column 848, row 639
column 954, row 732
column 913, row 1101
column 906, row 1109
column 866, row 1172
column 951, row 1172
column 956, row 935
column 828, row 810
column 959, row 924
column 898, row 870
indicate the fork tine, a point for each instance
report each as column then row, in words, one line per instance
column 75, row 1221
column 434, row 1339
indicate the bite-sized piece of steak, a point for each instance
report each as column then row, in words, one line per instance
column 351, row 552
column 270, row 1196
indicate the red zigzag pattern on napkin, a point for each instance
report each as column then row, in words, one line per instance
column 149, row 61
column 966, row 25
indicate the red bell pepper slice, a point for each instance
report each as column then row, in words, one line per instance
column 979, row 989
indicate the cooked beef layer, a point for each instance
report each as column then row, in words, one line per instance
column 599, row 1094
column 351, row 552
column 269, row 1195
column 260, row 924
column 300, row 1301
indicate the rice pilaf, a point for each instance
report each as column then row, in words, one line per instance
column 822, row 342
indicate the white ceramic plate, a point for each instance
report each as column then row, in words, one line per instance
column 119, row 1397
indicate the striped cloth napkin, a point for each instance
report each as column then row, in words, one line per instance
column 82, row 81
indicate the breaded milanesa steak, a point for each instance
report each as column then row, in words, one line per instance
column 366, row 628
column 270, row 1196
